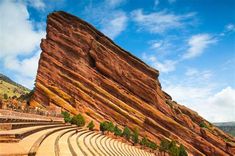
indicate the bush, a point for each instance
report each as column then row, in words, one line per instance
column 91, row 126
column 152, row 145
column 5, row 96
column 182, row 151
column 164, row 145
column 110, row 127
column 144, row 141
column 135, row 136
column 104, row 126
column 78, row 120
column 126, row 133
column 173, row 149
column 203, row 125
column 66, row 116
column 117, row 131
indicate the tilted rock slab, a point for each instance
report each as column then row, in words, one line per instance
column 83, row 71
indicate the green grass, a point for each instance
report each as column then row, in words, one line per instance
column 11, row 89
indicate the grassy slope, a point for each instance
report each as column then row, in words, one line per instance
column 11, row 88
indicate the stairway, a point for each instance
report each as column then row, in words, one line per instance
column 54, row 138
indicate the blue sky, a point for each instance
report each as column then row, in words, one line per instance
column 191, row 43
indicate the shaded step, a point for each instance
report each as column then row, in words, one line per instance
column 17, row 134
column 25, row 145
column 16, row 125
column 36, row 144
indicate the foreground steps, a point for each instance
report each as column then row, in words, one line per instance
column 63, row 140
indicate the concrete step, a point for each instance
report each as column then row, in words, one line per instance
column 18, row 134
column 72, row 141
column 16, row 125
column 48, row 146
column 29, row 144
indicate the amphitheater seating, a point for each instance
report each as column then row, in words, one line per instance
column 54, row 138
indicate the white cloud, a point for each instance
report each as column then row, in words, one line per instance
column 196, row 91
column 38, row 4
column 115, row 26
column 165, row 67
column 26, row 67
column 114, row 3
column 160, row 22
column 19, row 40
column 17, row 35
column 230, row 27
column 197, row 44
column 108, row 18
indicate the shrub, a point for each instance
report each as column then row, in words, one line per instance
column 173, row 149
column 5, row 96
column 182, row 151
column 164, row 145
column 126, row 133
column 78, row 120
column 104, row 126
column 117, row 131
column 203, row 125
column 110, row 127
column 91, row 126
column 66, row 116
column 152, row 145
column 144, row 141
column 135, row 136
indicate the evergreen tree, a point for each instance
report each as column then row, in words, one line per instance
column 104, row 126
column 66, row 116
column 182, row 151
column 117, row 131
column 126, row 133
column 91, row 126
column 135, row 136
column 144, row 141
column 78, row 120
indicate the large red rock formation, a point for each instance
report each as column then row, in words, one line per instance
column 82, row 70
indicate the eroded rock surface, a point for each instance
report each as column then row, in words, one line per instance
column 81, row 70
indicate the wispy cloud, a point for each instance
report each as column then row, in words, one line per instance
column 108, row 18
column 160, row 22
column 165, row 67
column 38, row 4
column 197, row 44
column 196, row 91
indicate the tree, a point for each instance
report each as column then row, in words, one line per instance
column 110, row 127
column 104, row 126
column 117, row 131
column 144, row 141
column 126, row 133
column 91, row 126
column 5, row 96
column 182, row 151
column 135, row 136
column 66, row 116
column 164, row 145
column 173, row 149
column 152, row 145
column 78, row 120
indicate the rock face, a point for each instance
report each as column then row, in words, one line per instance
column 81, row 70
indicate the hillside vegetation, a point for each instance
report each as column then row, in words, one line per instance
column 11, row 88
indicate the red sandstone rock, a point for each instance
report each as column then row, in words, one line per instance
column 81, row 70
